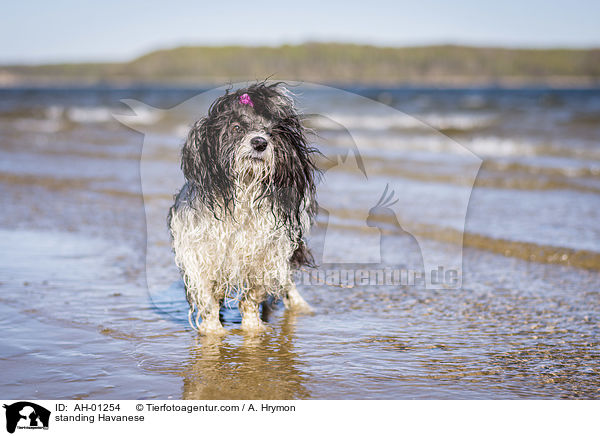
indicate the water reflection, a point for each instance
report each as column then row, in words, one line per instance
column 258, row 367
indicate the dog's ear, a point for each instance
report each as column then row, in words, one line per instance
column 191, row 155
column 203, row 167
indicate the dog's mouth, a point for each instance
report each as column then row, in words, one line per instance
column 255, row 158
column 253, row 162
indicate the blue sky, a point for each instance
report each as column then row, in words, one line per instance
column 69, row 30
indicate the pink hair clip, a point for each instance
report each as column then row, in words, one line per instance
column 245, row 99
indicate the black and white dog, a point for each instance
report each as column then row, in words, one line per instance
column 249, row 198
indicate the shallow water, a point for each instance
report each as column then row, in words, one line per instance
column 81, row 319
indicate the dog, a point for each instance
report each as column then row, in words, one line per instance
column 248, row 201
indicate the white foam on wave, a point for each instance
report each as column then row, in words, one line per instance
column 401, row 121
column 98, row 114
column 460, row 121
column 483, row 146
column 364, row 122
column 104, row 114
column 432, row 143
column 493, row 146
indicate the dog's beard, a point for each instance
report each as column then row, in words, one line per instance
column 252, row 180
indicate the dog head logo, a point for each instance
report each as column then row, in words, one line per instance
column 26, row 415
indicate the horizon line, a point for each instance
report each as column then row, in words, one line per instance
column 34, row 63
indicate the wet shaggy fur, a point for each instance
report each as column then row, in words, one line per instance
column 238, row 223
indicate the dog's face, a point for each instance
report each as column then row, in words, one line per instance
column 252, row 139
column 248, row 134
column 251, row 136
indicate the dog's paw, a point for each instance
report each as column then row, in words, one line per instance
column 302, row 308
column 294, row 302
column 212, row 329
column 255, row 327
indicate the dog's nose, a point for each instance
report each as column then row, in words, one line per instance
column 259, row 143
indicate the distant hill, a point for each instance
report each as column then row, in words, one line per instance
column 330, row 63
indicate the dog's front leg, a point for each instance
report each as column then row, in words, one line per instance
column 249, row 308
column 208, row 305
column 211, row 324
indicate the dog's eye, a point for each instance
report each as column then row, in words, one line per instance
column 236, row 128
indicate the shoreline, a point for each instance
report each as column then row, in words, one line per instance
column 575, row 83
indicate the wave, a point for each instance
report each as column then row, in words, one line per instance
column 565, row 168
column 491, row 175
column 533, row 252
column 495, row 146
column 401, row 121
column 483, row 146
column 85, row 115
column 56, row 118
